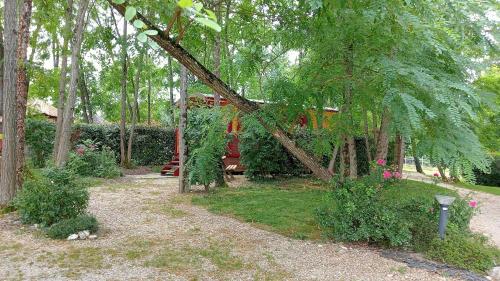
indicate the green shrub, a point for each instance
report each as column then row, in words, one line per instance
column 52, row 197
column 40, row 140
column 207, row 139
column 464, row 250
column 385, row 211
column 87, row 160
column 66, row 227
column 262, row 155
column 151, row 146
column 491, row 179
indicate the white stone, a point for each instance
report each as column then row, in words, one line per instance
column 495, row 273
column 73, row 237
column 82, row 235
column 92, row 237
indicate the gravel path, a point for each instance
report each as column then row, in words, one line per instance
column 149, row 232
column 487, row 221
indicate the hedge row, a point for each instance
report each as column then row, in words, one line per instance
column 492, row 179
column 151, row 146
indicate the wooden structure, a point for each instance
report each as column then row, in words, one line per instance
column 232, row 158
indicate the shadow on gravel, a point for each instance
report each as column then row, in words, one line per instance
column 415, row 261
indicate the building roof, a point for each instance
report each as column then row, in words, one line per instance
column 43, row 107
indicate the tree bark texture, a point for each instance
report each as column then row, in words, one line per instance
column 331, row 165
column 399, row 152
column 68, row 23
column 123, row 107
column 217, row 85
column 8, row 162
column 1, row 73
column 183, row 156
column 137, row 80
column 85, row 97
column 23, row 38
column 171, row 88
column 383, row 136
column 367, row 139
column 69, row 107
column 416, row 159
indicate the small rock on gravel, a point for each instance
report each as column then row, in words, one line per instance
column 73, row 237
column 92, row 237
column 83, row 234
column 495, row 273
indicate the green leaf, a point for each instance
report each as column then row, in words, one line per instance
column 153, row 44
column 209, row 23
column 118, row 1
column 151, row 32
column 211, row 14
column 139, row 24
column 130, row 13
column 198, row 6
column 142, row 37
column 185, row 3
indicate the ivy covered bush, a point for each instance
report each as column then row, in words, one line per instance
column 151, row 146
column 51, row 197
column 87, row 160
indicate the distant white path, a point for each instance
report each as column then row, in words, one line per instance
column 487, row 221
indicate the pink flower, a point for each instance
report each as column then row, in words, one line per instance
column 473, row 204
column 381, row 162
column 387, row 174
column 397, row 175
column 80, row 151
column 436, row 174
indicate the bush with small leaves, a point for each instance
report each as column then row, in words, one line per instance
column 51, row 197
column 65, row 228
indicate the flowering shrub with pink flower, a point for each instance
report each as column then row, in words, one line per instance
column 87, row 160
column 385, row 175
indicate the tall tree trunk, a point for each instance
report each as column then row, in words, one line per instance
column 331, row 165
column 85, row 97
column 399, row 152
column 442, row 172
column 217, row 56
column 69, row 107
column 149, row 97
column 68, row 23
column 367, row 139
column 183, row 173
column 171, row 89
column 1, row 75
column 347, row 110
column 244, row 105
column 22, row 86
column 8, row 161
column 137, row 80
column 123, row 108
column 343, row 160
column 416, row 159
column 383, row 136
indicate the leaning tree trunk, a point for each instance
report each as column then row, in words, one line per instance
column 137, row 80
column 217, row 57
column 8, row 161
column 23, row 38
column 123, row 107
column 68, row 22
column 244, row 105
column 331, row 165
column 69, row 107
column 183, row 174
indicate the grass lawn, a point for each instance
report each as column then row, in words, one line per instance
column 288, row 206
column 483, row 188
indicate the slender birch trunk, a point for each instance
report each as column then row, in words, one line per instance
column 123, row 108
column 68, row 23
column 69, row 107
column 183, row 173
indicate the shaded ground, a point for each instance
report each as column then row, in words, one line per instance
column 148, row 232
column 487, row 221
